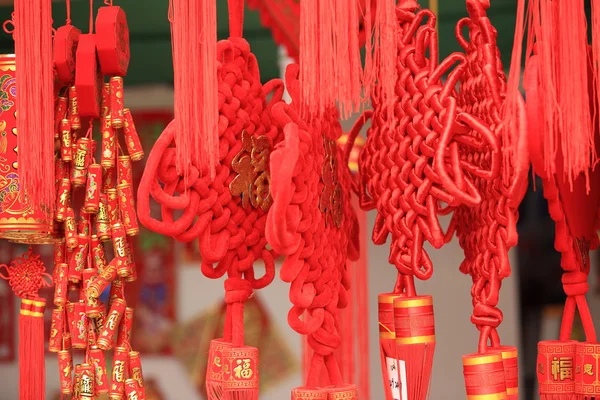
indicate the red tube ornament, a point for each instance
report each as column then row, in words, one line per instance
column 124, row 336
column 92, row 190
column 134, row 145
column 127, row 209
column 66, row 144
column 96, row 357
column 63, row 200
column 74, row 109
column 65, row 371
column 116, row 102
column 119, row 373
column 57, row 327
column 60, row 284
column 106, row 339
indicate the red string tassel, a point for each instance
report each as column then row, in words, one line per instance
column 415, row 343
column 32, row 367
column 35, row 80
column 194, row 38
column 329, row 39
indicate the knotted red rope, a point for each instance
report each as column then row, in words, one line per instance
column 227, row 213
column 26, row 275
column 312, row 223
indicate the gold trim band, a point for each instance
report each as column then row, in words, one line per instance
column 34, row 302
column 494, row 396
column 410, row 303
column 415, row 339
column 32, row 313
column 480, row 360
column 512, row 391
column 506, row 355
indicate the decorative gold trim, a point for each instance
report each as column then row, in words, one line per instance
column 410, row 303
column 495, row 396
column 507, row 355
column 31, row 313
column 512, row 391
column 415, row 339
column 34, row 302
column 480, row 360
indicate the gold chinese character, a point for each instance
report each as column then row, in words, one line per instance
column 330, row 202
column 588, row 369
column 251, row 166
column 243, row 370
column 217, row 361
column 562, row 368
column 86, row 385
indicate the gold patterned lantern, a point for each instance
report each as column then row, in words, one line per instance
column 18, row 221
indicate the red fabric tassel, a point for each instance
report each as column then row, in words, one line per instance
column 35, row 80
column 32, row 367
column 194, row 39
column 329, row 39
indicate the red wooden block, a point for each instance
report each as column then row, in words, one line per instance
column 112, row 35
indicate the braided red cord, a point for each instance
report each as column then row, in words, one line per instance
column 409, row 172
column 487, row 231
column 312, row 223
column 26, row 275
column 231, row 236
column 570, row 207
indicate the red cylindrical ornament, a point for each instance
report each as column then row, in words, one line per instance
column 65, row 371
column 102, row 280
column 105, row 104
column 117, row 105
column 96, row 357
column 60, row 112
column 107, row 336
column 61, row 170
column 109, row 180
column 93, row 306
column 98, row 254
column 135, row 371
column 92, row 189
column 240, row 368
column 134, row 145
column 86, row 382
column 109, row 144
column 113, row 207
column 117, row 291
column 119, row 372
column 78, row 260
column 484, row 376
column 59, row 251
column 124, row 171
column 103, row 229
column 63, row 200
column 71, row 230
column 510, row 361
column 60, row 284
column 57, row 327
column 83, row 227
column 413, row 320
column 556, row 367
column 74, row 109
column 66, row 144
column 78, row 324
column 124, row 336
column 127, row 209
column 587, row 362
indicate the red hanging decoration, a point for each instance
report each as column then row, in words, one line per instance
column 227, row 214
column 27, row 275
column 312, row 223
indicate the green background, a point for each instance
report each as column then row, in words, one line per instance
column 151, row 42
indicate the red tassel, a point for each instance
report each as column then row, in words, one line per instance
column 415, row 343
column 384, row 41
column 194, row 37
column 32, row 367
column 35, row 80
column 329, row 38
